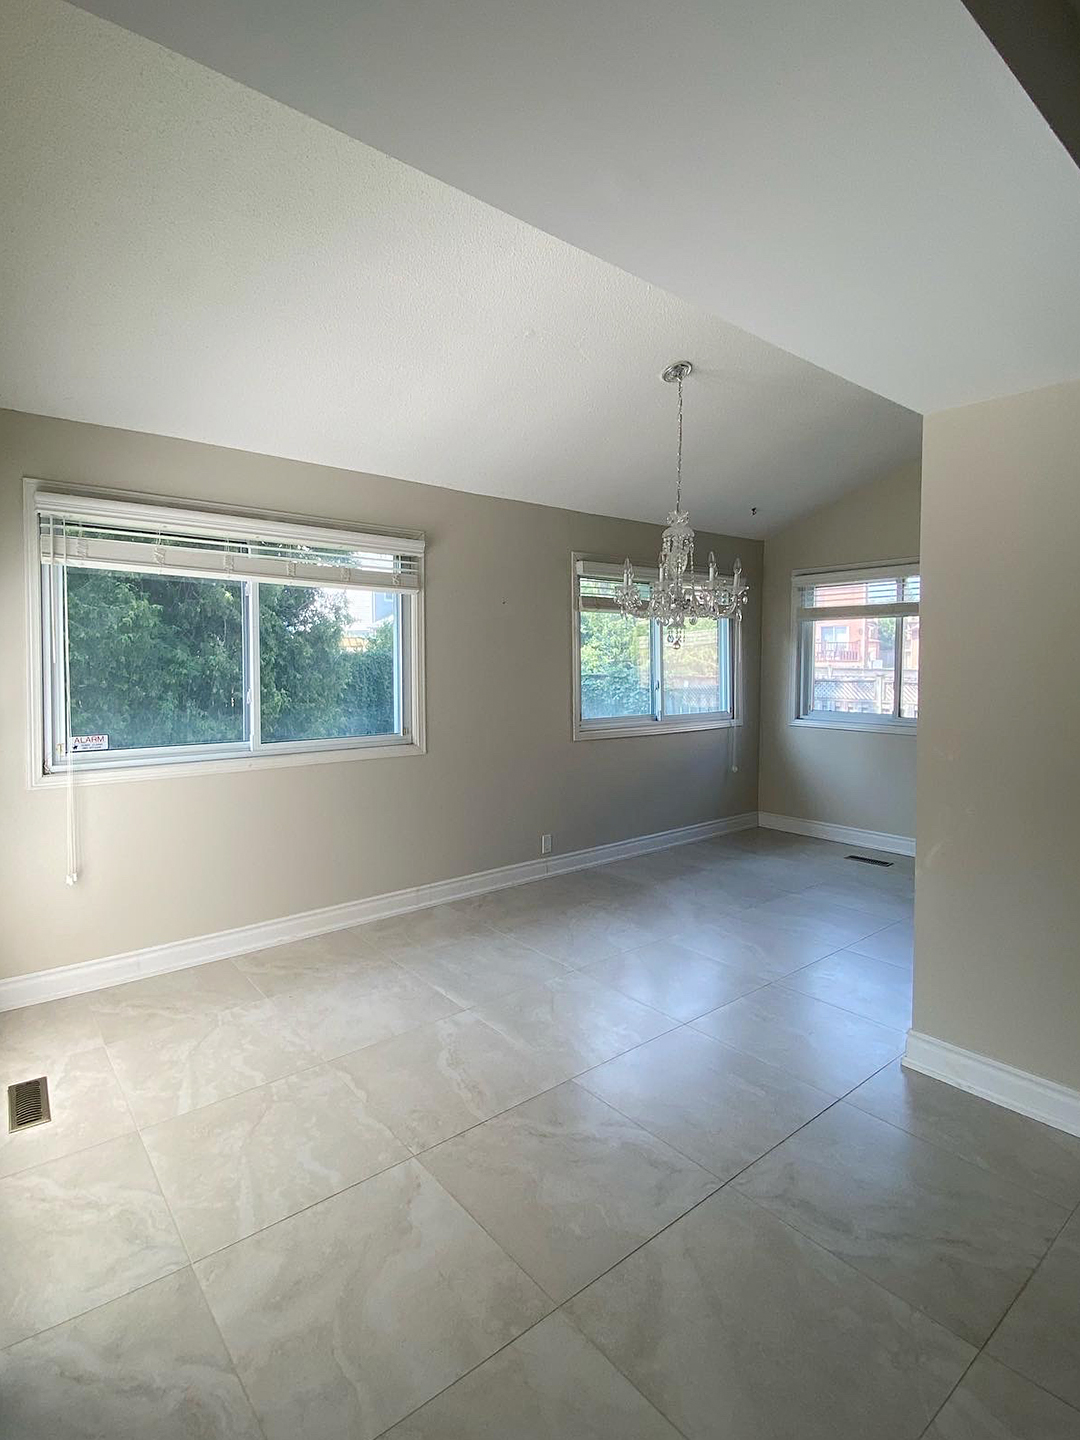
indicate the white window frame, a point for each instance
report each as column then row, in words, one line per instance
column 657, row 723
column 45, row 720
column 802, row 630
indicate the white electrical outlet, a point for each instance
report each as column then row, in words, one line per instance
column 545, row 844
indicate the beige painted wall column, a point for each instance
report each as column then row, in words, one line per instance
column 997, row 905
column 844, row 777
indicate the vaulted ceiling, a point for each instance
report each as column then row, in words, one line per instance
column 185, row 255
column 862, row 182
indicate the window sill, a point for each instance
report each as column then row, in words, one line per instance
column 623, row 732
column 169, row 770
column 866, row 727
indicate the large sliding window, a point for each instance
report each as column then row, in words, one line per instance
column 628, row 681
column 857, row 647
column 171, row 635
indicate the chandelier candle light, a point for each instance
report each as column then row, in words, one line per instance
column 677, row 597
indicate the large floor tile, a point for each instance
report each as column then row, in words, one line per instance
column 443, row 1078
column 791, row 871
column 235, row 1167
column 149, row 1365
column 32, row 1039
column 706, row 932
column 81, row 1231
column 580, row 935
column 580, row 887
column 338, row 955
column 735, row 1326
column 871, row 988
column 180, row 1067
column 818, row 1042
column 952, row 1239
column 85, row 1101
column 714, row 1104
column 665, row 910
column 550, row 895
column 659, row 867
column 345, row 1318
column 808, row 913
column 1012, row 1146
column 549, row 1384
column 720, row 881
column 887, row 894
column 567, row 1185
column 339, row 1016
column 896, row 944
column 889, row 902
column 574, row 1023
column 680, row 982
column 1040, row 1336
column 504, row 909
column 479, row 967
column 132, row 1010
column 398, row 934
column 994, row 1403
column 753, row 942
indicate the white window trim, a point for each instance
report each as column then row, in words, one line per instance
column 223, row 759
column 895, row 725
column 625, row 727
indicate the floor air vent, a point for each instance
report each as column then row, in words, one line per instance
column 28, row 1103
column 867, row 860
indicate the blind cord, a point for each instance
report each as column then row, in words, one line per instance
column 72, row 818
column 736, row 672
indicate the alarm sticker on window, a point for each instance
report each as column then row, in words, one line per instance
column 89, row 742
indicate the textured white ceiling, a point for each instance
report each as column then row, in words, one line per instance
column 182, row 255
column 863, row 182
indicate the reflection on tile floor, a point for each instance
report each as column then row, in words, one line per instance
column 623, row 1153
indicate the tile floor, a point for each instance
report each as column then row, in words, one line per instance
column 624, row 1153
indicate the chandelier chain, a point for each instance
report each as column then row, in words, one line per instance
column 678, row 462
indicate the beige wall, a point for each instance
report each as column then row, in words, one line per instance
column 844, row 777
column 997, row 899
column 169, row 859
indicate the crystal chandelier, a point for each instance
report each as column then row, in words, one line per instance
column 677, row 597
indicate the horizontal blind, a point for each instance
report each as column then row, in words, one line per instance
column 868, row 592
column 596, row 593
column 115, row 535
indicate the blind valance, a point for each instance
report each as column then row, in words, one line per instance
column 92, row 533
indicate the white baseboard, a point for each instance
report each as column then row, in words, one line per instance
column 88, row 975
column 844, row 834
column 1017, row 1090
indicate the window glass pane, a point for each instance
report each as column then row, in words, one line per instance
column 912, row 588
column 854, row 666
column 696, row 675
column 616, row 666
column 155, row 659
column 909, row 674
column 327, row 662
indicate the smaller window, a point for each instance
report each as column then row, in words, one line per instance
column 857, row 647
column 628, row 680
